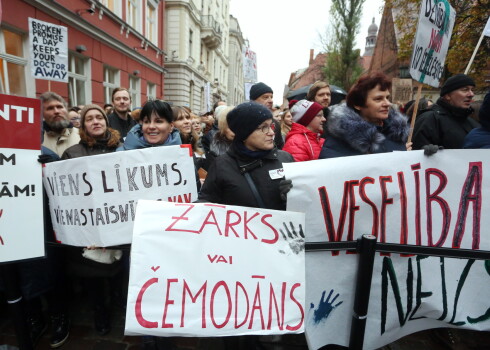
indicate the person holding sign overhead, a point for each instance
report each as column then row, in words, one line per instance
column 94, row 265
column 366, row 124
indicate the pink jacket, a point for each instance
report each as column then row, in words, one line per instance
column 302, row 143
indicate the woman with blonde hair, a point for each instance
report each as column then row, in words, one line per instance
column 286, row 122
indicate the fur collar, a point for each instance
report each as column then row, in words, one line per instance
column 346, row 124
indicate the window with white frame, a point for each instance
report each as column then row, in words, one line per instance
column 78, row 80
column 152, row 21
column 133, row 14
column 113, row 5
column 13, row 65
column 111, row 81
column 134, row 90
column 151, row 91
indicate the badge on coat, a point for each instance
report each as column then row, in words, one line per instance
column 276, row 173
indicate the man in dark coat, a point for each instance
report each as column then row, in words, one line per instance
column 120, row 119
column 447, row 122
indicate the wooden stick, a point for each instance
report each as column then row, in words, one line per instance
column 474, row 54
column 49, row 85
column 415, row 110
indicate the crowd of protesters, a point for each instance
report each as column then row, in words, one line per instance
column 235, row 150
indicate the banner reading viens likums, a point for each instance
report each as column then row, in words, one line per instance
column 403, row 198
column 93, row 199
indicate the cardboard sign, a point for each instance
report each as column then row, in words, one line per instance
column 214, row 270
column 21, row 201
column 48, row 44
column 436, row 22
column 403, row 198
column 93, row 199
column 249, row 65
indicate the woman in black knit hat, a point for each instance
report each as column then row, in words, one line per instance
column 250, row 173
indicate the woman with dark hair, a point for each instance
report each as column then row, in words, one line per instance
column 244, row 175
column 366, row 124
column 95, row 266
column 155, row 128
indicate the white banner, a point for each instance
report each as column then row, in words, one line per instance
column 249, row 65
column 21, row 192
column 213, row 270
column 486, row 30
column 436, row 22
column 48, row 46
column 93, row 199
column 401, row 197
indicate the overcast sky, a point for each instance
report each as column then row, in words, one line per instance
column 282, row 33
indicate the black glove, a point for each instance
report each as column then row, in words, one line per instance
column 431, row 149
column 284, row 187
column 45, row 158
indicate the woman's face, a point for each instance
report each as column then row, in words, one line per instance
column 316, row 124
column 156, row 129
column 74, row 118
column 95, row 124
column 262, row 139
column 196, row 125
column 288, row 119
column 377, row 106
column 184, row 122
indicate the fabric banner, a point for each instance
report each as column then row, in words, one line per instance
column 249, row 65
column 213, row 270
column 21, row 192
column 403, row 198
column 93, row 199
column 48, row 46
column 436, row 22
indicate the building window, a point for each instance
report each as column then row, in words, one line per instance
column 133, row 14
column 134, row 90
column 113, row 5
column 191, row 95
column 13, row 65
column 152, row 21
column 191, row 33
column 78, row 80
column 111, row 81
column 151, row 91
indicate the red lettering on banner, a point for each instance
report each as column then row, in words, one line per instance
column 240, row 285
column 276, row 234
column 352, row 209
column 137, row 307
column 214, row 222
column 418, row 227
column 470, row 194
column 302, row 311
column 434, row 197
column 374, row 209
column 167, row 303
column 257, row 305
column 228, row 296
column 182, row 217
column 186, row 291
column 245, row 226
column 279, row 314
column 385, row 201
column 403, row 211
column 229, row 224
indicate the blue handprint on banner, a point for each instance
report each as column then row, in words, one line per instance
column 325, row 307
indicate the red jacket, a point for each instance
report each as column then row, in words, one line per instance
column 302, row 143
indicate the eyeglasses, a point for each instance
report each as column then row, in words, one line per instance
column 265, row 128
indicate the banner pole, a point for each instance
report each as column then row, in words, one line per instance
column 474, row 53
column 367, row 251
column 415, row 110
column 15, row 305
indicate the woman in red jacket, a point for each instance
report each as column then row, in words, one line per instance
column 303, row 140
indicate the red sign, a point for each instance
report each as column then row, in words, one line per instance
column 20, row 122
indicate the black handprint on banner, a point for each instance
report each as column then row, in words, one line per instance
column 325, row 307
column 296, row 240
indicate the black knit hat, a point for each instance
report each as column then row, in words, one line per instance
column 258, row 90
column 245, row 118
column 455, row 82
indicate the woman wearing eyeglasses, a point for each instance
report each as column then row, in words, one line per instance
column 304, row 140
column 250, row 172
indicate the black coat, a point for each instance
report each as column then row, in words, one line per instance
column 350, row 135
column 441, row 126
column 226, row 184
column 123, row 126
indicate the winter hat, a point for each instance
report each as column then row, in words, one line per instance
column 455, row 82
column 88, row 108
column 246, row 117
column 304, row 111
column 258, row 90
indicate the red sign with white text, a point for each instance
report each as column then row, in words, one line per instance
column 20, row 122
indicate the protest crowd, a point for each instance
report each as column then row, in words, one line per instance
column 237, row 153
